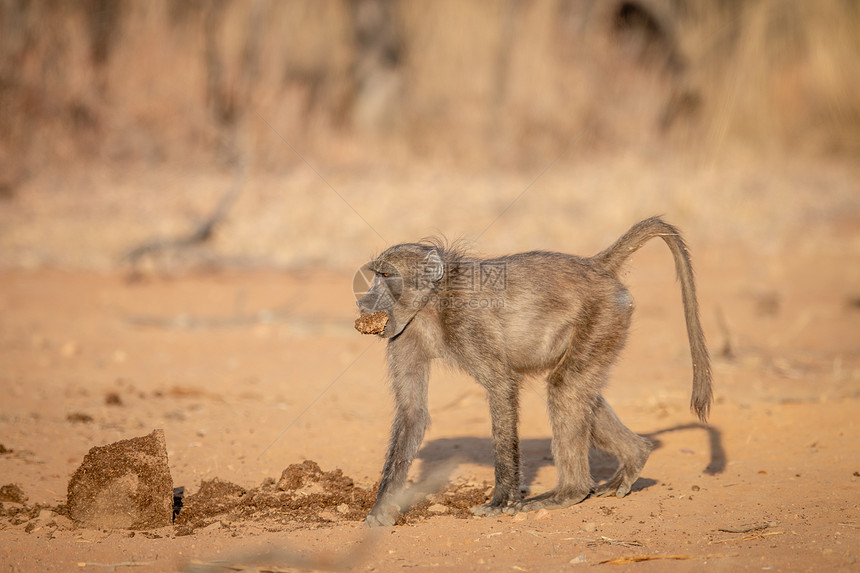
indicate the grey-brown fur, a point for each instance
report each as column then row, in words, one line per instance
column 558, row 314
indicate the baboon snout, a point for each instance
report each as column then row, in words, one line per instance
column 362, row 307
column 372, row 302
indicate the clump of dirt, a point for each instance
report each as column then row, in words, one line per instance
column 18, row 514
column 304, row 475
column 455, row 500
column 123, row 485
column 17, row 511
column 298, row 475
column 214, row 498
column 304, row 496
column 5, row 450
column 13, row 493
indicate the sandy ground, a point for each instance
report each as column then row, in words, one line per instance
column 241, row 349
column 248, row 372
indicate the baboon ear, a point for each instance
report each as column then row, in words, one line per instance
column 433, row 266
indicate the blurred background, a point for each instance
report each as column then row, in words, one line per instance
column 301, row 133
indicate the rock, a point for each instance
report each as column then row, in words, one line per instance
column 438, row 508
column 579, row 559
column 123, row 485
column 343, row 508
column 542, row 514
column 590, row 527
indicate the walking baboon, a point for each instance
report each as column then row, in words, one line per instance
column 505, row 318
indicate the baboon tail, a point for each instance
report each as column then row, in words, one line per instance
column 613, row 258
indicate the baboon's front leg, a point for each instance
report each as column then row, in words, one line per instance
column 409, row 383
column 504, row 405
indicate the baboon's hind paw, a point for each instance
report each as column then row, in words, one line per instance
column 490, row 509
column 553, row 499
column 617, row 486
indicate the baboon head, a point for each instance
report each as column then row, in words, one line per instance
column 404, row 280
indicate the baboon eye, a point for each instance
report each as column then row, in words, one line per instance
column 385, row 275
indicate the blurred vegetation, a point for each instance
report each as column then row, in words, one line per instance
column 479, row 82
column 178, row 128
column 503, row 80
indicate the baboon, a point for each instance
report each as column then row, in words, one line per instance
column 503, row 319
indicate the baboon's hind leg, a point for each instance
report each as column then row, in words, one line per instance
column 573, row 396
column 631, row 450
column 570, row 396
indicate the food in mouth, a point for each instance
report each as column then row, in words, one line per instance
column 373, row 323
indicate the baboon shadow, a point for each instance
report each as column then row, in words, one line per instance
column 536, row 453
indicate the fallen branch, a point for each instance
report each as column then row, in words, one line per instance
column 119, row 564
column 203, row 231
column 749, row 538
column 610, row 541
column 637, row 558
column 758, row 527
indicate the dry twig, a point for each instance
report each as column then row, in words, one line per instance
column 201, row 233
column 757, row 527
column 637, row 558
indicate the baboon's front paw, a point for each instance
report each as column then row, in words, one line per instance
column 554, row 499
column 378, row 521
column 382, row 517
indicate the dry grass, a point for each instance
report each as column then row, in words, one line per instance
column 476, row 82
column 123, row 122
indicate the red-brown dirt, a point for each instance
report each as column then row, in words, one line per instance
column 255, row 154
column 242, row 393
